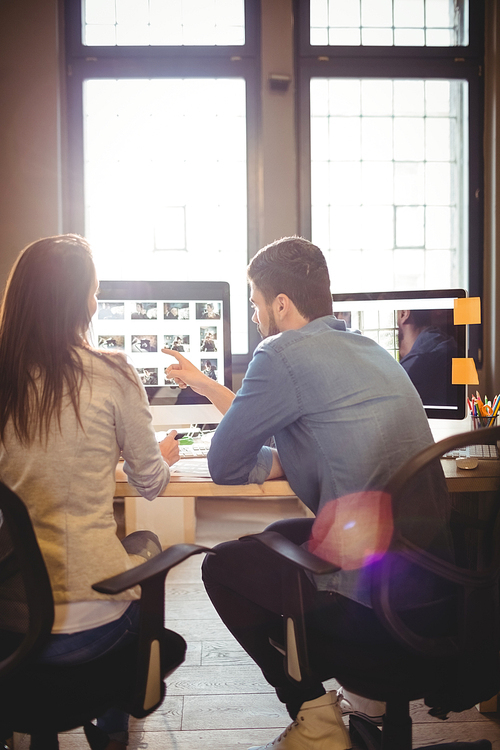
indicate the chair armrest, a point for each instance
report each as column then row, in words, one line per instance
column 159, row 651
column 161, row 563
column 296, row 555
column 296, row 652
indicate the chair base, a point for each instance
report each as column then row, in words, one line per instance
column 38, row 741
column 364, row 734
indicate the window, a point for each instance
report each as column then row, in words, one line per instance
column 431, row 23
column 387, row 180
column 160, row 23
column 390, row 134
column 162, row 138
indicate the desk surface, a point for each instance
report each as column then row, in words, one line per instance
column 485, row 478
column 181, row 486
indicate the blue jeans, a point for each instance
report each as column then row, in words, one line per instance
column 65, row 649
column 77, row 648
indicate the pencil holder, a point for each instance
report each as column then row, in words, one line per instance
column 479, row 422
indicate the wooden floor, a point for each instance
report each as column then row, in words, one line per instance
column 218, row 699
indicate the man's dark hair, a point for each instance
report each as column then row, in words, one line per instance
column 297, row 268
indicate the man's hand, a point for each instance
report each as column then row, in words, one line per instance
column 184, row 373
column 169, row 448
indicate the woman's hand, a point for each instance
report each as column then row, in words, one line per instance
column 169, row 448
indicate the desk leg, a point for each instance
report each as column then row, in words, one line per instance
column 487, row 707
column 171, row 518
column 305, row 510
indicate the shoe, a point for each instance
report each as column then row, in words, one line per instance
column 350, row 703
column 318, row 726
column 97, row 738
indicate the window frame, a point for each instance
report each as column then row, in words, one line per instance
column 73, row 12
column 461, row 63
column 91, row 62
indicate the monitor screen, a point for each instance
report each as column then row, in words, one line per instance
column 141, row 318
column 417, row 329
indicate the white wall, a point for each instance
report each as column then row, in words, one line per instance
column 30, row 174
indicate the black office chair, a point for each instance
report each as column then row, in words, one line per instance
column 447, row 653
column 42, row 700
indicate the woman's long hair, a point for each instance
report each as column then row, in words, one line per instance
column 44, row 319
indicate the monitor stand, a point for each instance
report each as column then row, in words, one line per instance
column 166, row 417
column 443, row 428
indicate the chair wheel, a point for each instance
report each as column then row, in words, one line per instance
column 477, row 745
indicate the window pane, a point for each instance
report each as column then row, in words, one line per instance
column 340, row 13
column 164, row 22
column 388, row 183
column 409, row 38
column 165, row 183
column 377, row 37
column 409, row 13
column 389, row 23
column 376, row 13
column 344, row 37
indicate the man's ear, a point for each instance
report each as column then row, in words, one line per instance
column 403, row 316
column 282, row 305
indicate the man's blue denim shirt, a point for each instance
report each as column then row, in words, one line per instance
column 343, row 413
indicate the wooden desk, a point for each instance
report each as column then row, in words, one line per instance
column 201, row 487
column 485, row 478
column 174, row 521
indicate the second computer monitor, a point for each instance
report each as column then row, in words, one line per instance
column 417, row 329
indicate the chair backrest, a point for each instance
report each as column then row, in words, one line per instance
column 465, row 612
column 26, row 602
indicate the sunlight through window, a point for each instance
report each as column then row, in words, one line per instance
column 166, row 182
column 388, row 181
column 408, row 23
column 157, row 22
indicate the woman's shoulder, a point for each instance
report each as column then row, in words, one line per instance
column 112, row 366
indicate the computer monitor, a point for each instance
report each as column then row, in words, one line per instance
column 142, row 317
column 417, row 329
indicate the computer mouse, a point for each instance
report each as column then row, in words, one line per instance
column 467, row 463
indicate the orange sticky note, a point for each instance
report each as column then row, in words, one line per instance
column 467, row 311
column 463, row 371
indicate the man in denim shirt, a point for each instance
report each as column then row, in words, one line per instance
column 344, row 416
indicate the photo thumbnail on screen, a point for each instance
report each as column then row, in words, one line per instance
column 208, row 310
column 176, row 310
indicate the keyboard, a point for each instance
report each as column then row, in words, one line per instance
column 196, row 450
column 474, row 451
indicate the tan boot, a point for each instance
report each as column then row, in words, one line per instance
column 318, row 726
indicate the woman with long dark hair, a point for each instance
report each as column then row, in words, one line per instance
column 67, row 411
